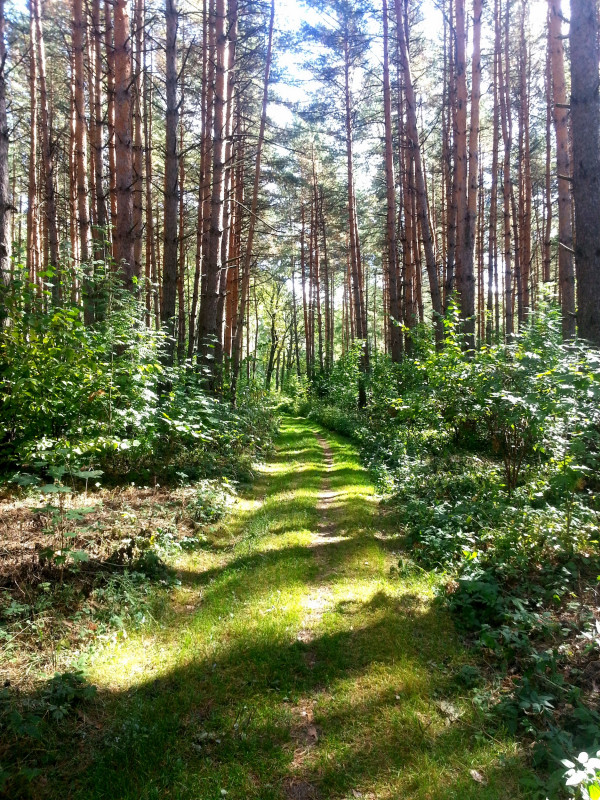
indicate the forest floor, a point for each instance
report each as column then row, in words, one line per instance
column 291, row 662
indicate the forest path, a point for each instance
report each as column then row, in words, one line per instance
column 293, row 663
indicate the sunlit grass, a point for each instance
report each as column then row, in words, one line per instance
column 290, row 618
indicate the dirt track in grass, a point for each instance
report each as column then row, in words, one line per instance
column 293, row 663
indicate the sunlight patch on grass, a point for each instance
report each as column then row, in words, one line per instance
column 290, row 618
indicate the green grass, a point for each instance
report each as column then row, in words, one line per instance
column 291, row 663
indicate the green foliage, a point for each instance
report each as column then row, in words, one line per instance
column 492, row 458
column 81, row 396
column 211, row 500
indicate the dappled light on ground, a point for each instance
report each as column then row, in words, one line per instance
column 292, row 662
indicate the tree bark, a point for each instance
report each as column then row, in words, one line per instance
column 209, row 336
column 169, row 277
column 47, row 158
column 237, row 350
column 395, row 332
column 419, row 178
column 585, row 121
column 123, row 232
column 566, row 276
column 5, row 204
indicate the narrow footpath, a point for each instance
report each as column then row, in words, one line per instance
column 295, row 663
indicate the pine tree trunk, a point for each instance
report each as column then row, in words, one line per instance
column 110, row 118
column 78, row 28
column 100, row 231
column 202, row 184
column 123, row 233
column 493, row 218
column 419, row 179
column 395, row 334
column 5, row 203
column 47, row 158
column 504, row 76
column 33, row 245
column 467, row 283
column 208, row 335
column 138, row 144
column 237, row 349
column 585, row 120
column 548, row 184
column 566, row 276
column 169, row 276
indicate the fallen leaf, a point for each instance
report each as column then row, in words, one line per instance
column 477, row 776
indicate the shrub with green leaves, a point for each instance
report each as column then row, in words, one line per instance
column 492, row 459
column 82, row 396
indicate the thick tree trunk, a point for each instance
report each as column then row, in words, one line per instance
column 419, row 179
column 464, row 275
column 209, row 336
column 585, row 120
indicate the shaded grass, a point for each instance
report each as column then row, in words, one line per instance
column 218, row 695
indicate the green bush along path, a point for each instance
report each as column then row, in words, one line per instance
column 294, row 662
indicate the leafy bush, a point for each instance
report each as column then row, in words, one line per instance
column 81, row 396
column 211, row 500
column 492, row 459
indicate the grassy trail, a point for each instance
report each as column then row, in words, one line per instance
column 292, row 664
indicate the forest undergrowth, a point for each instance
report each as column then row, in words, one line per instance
column 287, row 661
column 490, row 463
column 111, row 460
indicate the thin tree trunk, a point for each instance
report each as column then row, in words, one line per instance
column 123, row 233
column 506, row 178
column 152, row 310
column 493, row 218
column 32, row 203
column 394, row 332
column 81, row 165
column 100, row 232
column 138, row 144
column 467, row 282
column 566, row 274
column 110, row 116
column 252, row 222
column 47, row 158
column 548, row 184
column 6, row 206
column 169, row 277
